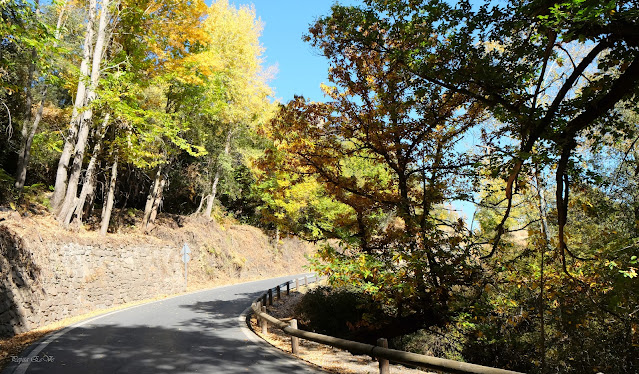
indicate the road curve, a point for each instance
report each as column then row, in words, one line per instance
column 200, row 332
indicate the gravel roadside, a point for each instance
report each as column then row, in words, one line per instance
column 328, row 358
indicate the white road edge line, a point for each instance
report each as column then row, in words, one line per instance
column 243, row 322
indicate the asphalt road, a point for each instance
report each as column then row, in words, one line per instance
column 202, row 332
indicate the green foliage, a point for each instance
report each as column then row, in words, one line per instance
column 7, row 195
column 342, row 312
column 35, row 195
column 446, row 343
column 297, row 204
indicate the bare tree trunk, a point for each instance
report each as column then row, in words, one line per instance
column 156, row 204
column 150, row 200
column 211, row 197
column 60, row 188
column 88, row 187
column 25, row 148
column 27, row 136
column 216, row 178
column 71, row 199
column 108, row 207
column 199, row 208
column 25, row 125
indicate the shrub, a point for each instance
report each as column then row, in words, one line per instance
column 342, row 312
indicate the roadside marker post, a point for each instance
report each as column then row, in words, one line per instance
column 186, row 258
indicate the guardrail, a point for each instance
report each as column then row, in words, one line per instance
column 380, row 351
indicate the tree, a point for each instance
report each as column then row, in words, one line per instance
column 68, row 175
column 234, row 37
column 163, row 56
column 293, row 203
column 387, row 148
column 498, row 56
column 30, row 126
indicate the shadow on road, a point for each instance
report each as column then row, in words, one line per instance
column 142, row 349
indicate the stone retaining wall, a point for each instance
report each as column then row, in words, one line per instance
column 68, row 279
column 48, row 273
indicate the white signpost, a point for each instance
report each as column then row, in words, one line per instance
column 186, row 258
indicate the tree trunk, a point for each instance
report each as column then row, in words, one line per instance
column 88, row 187
column 156, row 204
column 25, row 148
column 211, row 197
column 150, row 200
column 108, row 207
column 199, row 207
column 71, row 199
column 60, row 188
column 27, row 136
column 216, row 178
column 543, row 215
column 25, row 124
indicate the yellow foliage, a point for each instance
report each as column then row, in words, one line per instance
column 233, row 44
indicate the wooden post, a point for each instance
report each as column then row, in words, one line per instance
column 297, row 284
column 295, row 341
column 259, row 319
column 270, row 296
column 288, row 288
column 264, row 322
column 279, row 293
column 264, row 300
column 384, row 365
column 253, row 307
column 306, row 281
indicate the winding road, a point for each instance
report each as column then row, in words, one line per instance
column 201, row 332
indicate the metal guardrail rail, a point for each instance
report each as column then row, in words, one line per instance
column 381, row 353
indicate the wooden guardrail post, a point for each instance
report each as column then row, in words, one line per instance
column 270, row 296
column 295, row 341
column 288, row 288
column 260, row 320
column 279, row 293
column 264, row 300
column 264, row 322
column 384, row 365
column 306, row 281
column 297, row 284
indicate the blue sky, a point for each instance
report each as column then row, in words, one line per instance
column 301, row 68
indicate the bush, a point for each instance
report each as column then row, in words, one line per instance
column 341, row 312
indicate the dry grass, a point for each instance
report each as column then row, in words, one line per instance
column 328, row 358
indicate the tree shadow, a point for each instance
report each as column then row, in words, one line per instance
column 19, row 279
column 208, row 340
column 142, row 349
